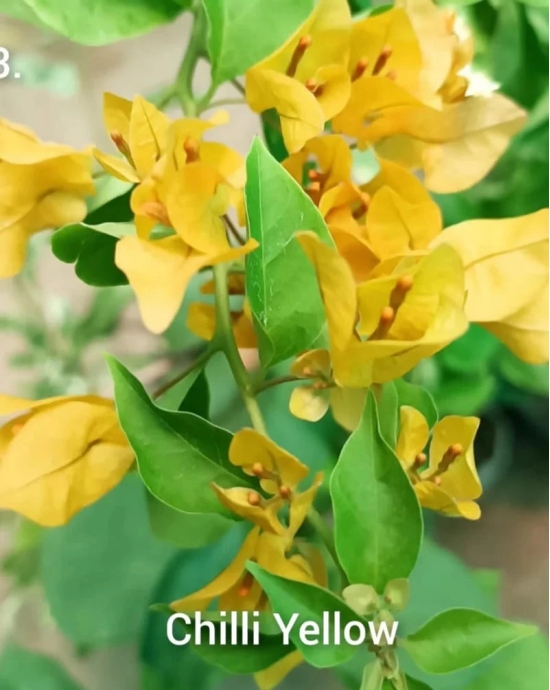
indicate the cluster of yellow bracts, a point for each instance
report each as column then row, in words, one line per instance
column 396, row 286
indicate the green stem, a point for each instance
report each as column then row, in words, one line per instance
column 200, row 361
column 226, row 339
column 327, row 537
column 184, row 80
column 270, row 383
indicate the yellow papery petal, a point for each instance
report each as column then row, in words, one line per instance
column 436, row 42
column 147, row 135
column 117, row 167
column 526, row 332
column 270, row 554
column 263, row 515
column 393, row 28
column 414, row 433
column 249, row 447
column 200, row 600
column 302, row 116
column 19, row 145
column 505, row 262
column 300, row 505
column 196, row 202
column 460, row 479
column 337, row 288
column 270, row 677
column 335, row 89
column 347, row 406
column 51, row 211
column 160, row 270
column 434, row 498
column 63, row 458
column 333, row 156
column 477, row 132
column 309, row 404
column 201, row 320
column 316, row 361
column 116, row 115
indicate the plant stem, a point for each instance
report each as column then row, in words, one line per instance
column 200, row 361
column 264, row 385
column 226, row 339
column 225, row 101
column 327, row 537
column 233, row 230
column 184, row 80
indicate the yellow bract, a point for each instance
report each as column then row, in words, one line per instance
column 159, row 272
column 407, row 315
column 311, row 401
column 410, row 98
column 506, row 271
column 306, row 80
column 43, row 187
column 60, row 456
column 449, row 482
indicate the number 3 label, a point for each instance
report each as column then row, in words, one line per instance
column 4, row 63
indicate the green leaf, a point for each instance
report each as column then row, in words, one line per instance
column 197, row 399
column 365, row 165
column 85, row 563
column 523, row 667
column 377, row 518
column 415, row 396
column 459, row 638
column 280, row 281
column 21, row 669
column 244, row 33
column 185, row 530
column 100, row 22
column 289, row 597
column 388, row 412
column 535, row 3
column 110, row 203
column 271, row 126
column 92, row 250
column 414, row 684
column 179, row 455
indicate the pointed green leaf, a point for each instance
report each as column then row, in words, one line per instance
column 309, row 602
column 377, row 518
column 414, row 684
column 179, row 455
column 100, row 22
column 459, row 638
column 244, row 33
column 21, row 669
column 281, row 285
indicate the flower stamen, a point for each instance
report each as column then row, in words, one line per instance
column 382, row 59
column 303, row 44
column 360, row 68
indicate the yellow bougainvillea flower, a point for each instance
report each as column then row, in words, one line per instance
column 447, row 480
column 382, row 328
column 311, row 401
column 389, row 216
column 139, row 131
column 43, row 186
column 269, row 543
column 419, row 110
column 506, row 271
column 306, row 80
column 159, row 272
column 59, row 456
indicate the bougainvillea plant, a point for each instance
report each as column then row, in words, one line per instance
column 323, row 252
